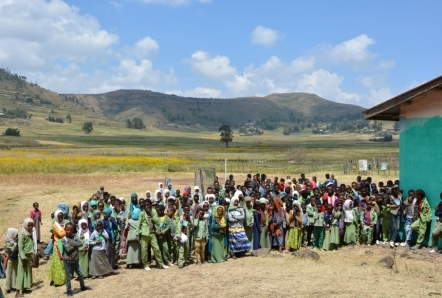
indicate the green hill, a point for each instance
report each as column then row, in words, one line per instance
column 21, row 100
column 161, row 109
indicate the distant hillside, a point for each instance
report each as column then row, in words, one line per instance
column 20, row 99
column 158, row 108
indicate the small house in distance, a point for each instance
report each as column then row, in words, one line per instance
column 419, row 112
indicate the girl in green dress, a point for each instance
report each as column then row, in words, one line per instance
column 218, row 230
column 25, row 251
column 83, row 251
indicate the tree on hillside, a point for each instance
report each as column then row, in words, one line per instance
column 128, row 123
column 226, row 134
column 87, row 127
column 68, row 118
column 137, row 123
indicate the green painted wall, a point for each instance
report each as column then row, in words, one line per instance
column 421, row 159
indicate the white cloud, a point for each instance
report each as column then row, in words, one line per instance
column 326, row 85
column 49, row 31
column 197, row 92
column 385, row 65
column 265, row 36
column 174, row 2
column 144, row 47
column 377, row 96
column 217, row 68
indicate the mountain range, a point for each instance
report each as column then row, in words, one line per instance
column 160, row 109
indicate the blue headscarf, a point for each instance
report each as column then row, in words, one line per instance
column 136, row 213
column 133, row 204
column 93, row 203
column 63, row 207
column 108, row 211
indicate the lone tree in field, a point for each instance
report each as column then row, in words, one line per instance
column 12, row 132
column 87, row 127
column 226, row 134
column 69, row 118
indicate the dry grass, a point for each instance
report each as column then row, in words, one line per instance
column 336, row 274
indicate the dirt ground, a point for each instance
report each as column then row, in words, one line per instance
column 350, row 272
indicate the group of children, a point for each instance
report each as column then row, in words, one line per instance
column 223, row 223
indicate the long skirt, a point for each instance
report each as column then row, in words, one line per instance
column 350, row 233
column 277, row 240
column 294, row 240
column 11, row 275
column 238, row 240
column 24, row 275
column 217, row 254
column 57, row 273
column 264, row 239
column 83, row 261
column 111, row 255
column 133, row 252
column 326, row 244
column 37, row 221
column 99, row 263
column 123, row 244
column 334, row 235
column 249, row 233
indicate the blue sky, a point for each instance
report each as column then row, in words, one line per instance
column 360, row 52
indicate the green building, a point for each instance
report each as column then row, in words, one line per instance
column 419, row 112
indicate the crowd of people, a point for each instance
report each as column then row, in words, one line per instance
column 175, row 228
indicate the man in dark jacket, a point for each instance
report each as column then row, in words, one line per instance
column 71, row 243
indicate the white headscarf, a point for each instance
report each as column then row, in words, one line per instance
column 84, row 232
column 148, row 192
column 25, row 229
column 348, row 211
column 11, row 234
column 264, row 201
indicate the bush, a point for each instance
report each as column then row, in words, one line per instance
column 55, row 119
column 12, row 132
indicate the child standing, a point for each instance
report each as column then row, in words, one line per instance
column 133, row 256
column 36, row 217
column 368, row 220
column 328, row 219
column 162, row 228
column 71, row 243
column 410, row 217
column 11, row 248
column 182, row 231
column 201, row 232
column 294, row 240
column 25, row 251
column 350, row 223
column 318, row 231
column 83, row 251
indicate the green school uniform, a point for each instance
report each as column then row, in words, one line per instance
column 248, row 220
column 163, row 226
column 25, row 251
column 148, row 237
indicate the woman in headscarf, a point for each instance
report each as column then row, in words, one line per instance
column 158, row 198
column 294, row 239
column 65, row 209
column 36, row 216
column 25, row 251
column 133, row 202
column 96, row 215
column 237, row 237
column 217, row 229
column 93, row 205
column 264, row 238
column 11, row 248
column 76, row 215
column 99, row 265
column 133, row 246
column 160, row 187
column 350, row 220
column 83, row 251
column 148, row 194
column 85, row 212
column 276, row 220
column 110, row 226
column 57, row 274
